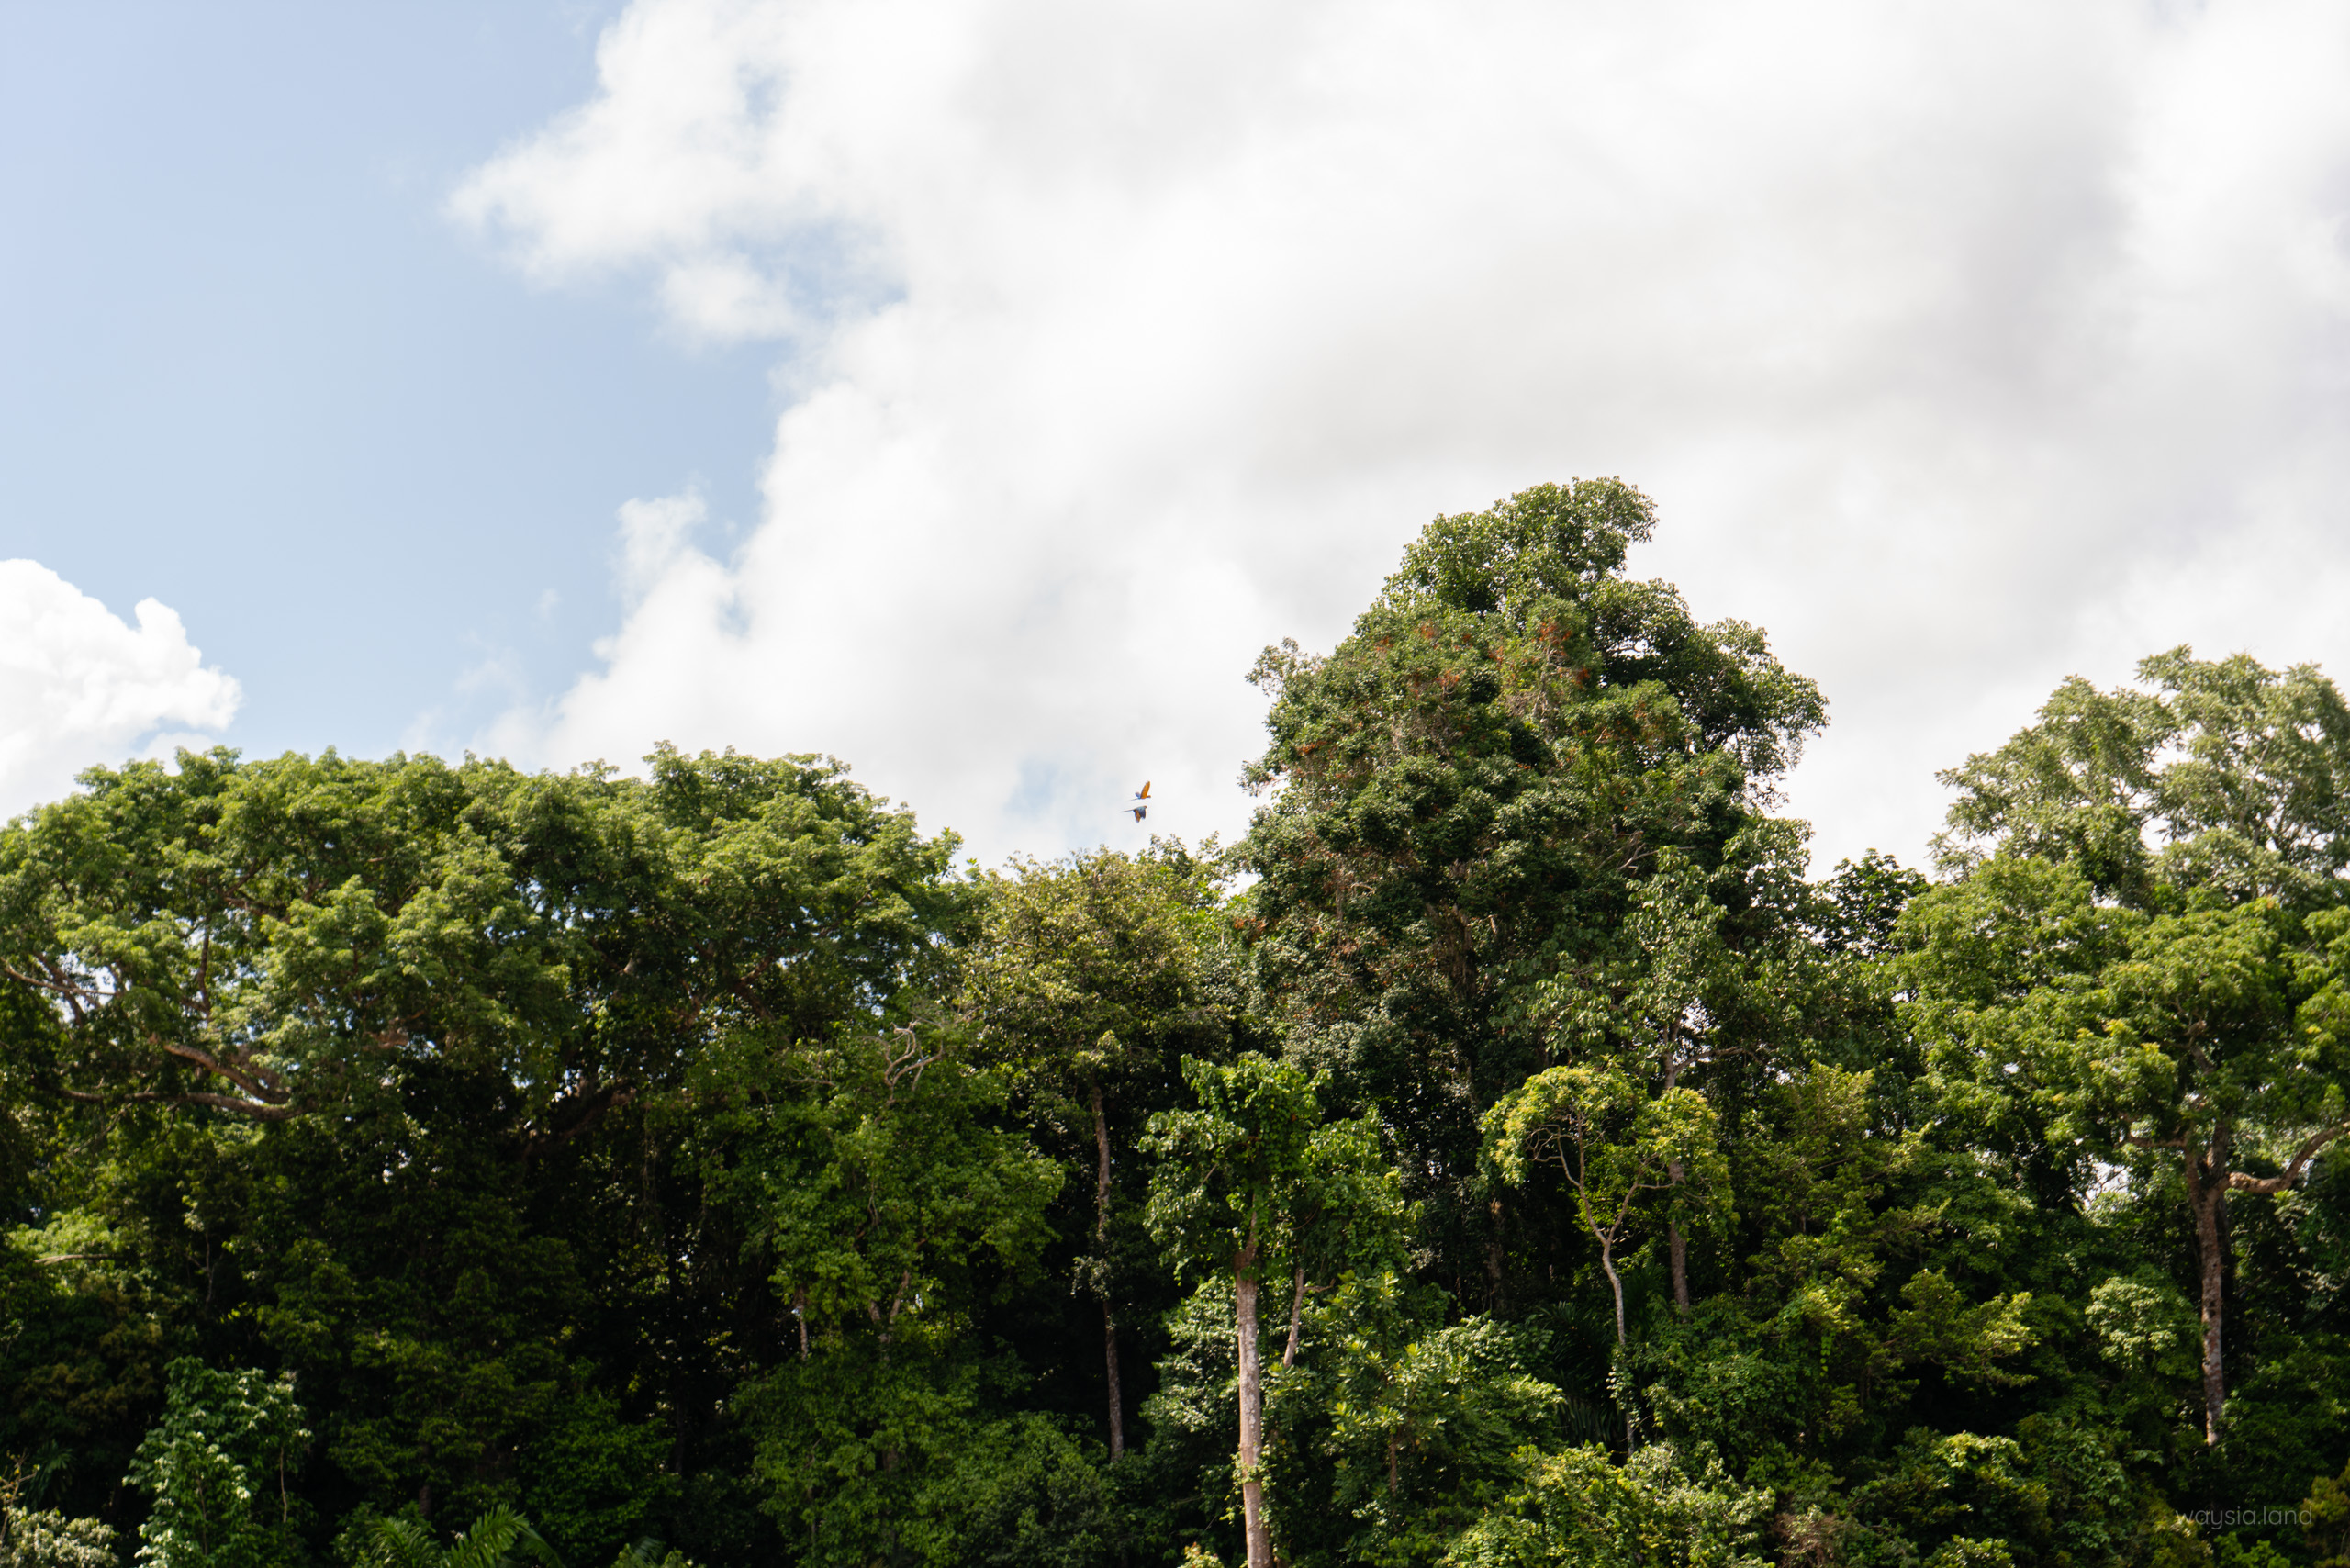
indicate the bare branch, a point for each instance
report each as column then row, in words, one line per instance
column 2310, row 1150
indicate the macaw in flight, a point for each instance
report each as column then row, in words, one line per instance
column 1143, row 795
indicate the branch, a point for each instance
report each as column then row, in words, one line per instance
column 898, row 1299
column 390, row 1038
column 13, row 973
column 257, row 1083
column 258, row 1111
column 2293, row 1173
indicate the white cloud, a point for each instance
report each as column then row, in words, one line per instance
column 78, row 686
column 1962, row 347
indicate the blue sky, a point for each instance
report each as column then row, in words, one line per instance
column 250, row 367
column 970, row 388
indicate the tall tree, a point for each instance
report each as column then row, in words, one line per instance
column 220, row 1465
column 286, row 937
column 1088, row 980
column 385, row 1072
column 1714, row 981
column 2146, row 935
column 1614, row 1145
column 1468, row 790
column 895, row 1206
column 1240, row 1179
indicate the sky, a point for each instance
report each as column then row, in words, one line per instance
column 970, row 390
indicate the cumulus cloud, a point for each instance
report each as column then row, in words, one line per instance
column 1963, row 348
column 78, row 685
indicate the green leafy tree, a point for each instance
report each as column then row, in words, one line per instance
column 279, row 938
column 391, row 1070
column 44, row 1538
column 1714, row 981
column 1576, row 1507
column 1820, row 1350
column 1468, row 791
column 1425, row 1422
column 895, row 1206
column 1088, row 980
column 218, row 1466
column 1614, row 1146
column 1242, row 1182
column 2148, row 937
column 2326, row 1530
column 2227, row 777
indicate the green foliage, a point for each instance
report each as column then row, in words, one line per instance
column 220, row 1466
column 280, row 938
column 894, row 1212
column 1088, row 980
column 2327, row 1532
column 1533, row 1163
column 1577, row 1506
column 866, row 1459
column 2178, row 1033
column 45, row 1538
column 2229, row 780
column 1614, row 1146
column 1234, row 1168
column 1420, row 1422
column 498, row 1539
column 1251, row 1180
column 1471, row 788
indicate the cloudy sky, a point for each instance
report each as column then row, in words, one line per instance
column 970, row 390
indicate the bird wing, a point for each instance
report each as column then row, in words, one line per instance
column 1144, row 794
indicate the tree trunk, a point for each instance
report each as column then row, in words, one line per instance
column 1616, row 1284
column 1102, row 1171
column 1296, row 1310
column 1678, row 1245
column 1493, row 1260
column 1252, row 1411
column 1117, row 1400
column 2206, row 1196
column 1100, row 1275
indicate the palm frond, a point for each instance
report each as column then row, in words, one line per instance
column 404, row 1543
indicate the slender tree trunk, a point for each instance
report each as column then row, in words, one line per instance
column 1101, row 1249
column 1117, row 1399
column 1616, row 1284
column 1252, row 1409
column 1678, row 1246
column 1296, row 1310
column 1493, row 1259
column 2207, row 1195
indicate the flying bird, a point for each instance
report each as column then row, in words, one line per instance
column 1143, row 795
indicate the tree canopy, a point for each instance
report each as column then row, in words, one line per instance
column 1510, row 1152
